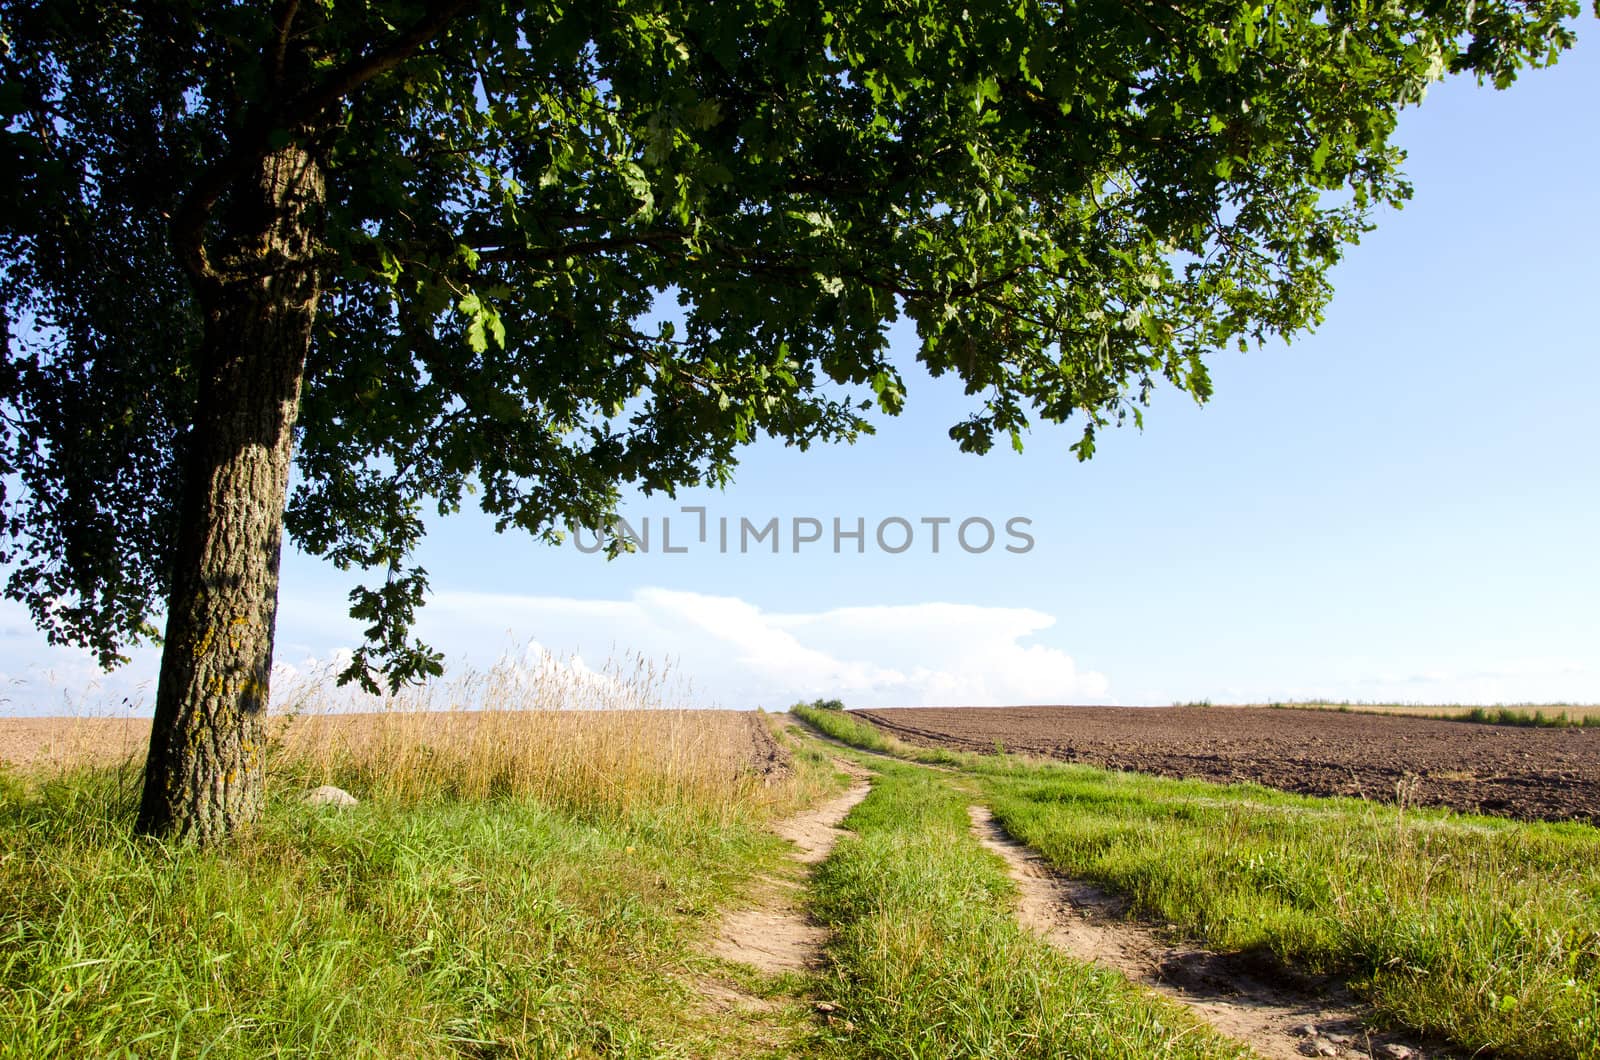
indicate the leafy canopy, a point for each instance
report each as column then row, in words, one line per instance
column 572, row 246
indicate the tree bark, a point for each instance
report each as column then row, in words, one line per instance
column 205, row 773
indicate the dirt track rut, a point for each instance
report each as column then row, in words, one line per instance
column 1280, row 1020
column 776, row 935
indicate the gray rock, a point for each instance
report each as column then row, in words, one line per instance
column 328, row 795
column 1394, row 1051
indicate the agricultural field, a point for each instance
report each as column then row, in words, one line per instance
column 1529, row 773
column 1304, row 925
column 675, row 883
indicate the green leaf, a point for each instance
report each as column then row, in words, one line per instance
column 1037, row 193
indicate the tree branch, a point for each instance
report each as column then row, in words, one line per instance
column 357, row 72
column 251, row 145
column 584, row 248
column 287, row 9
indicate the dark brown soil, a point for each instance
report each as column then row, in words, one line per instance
column 1526, row 773
column 768, row 758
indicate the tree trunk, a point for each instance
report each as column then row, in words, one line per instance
column 204, row 776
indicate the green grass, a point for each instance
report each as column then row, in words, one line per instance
column 851, row 730
column 1542, row 716
column 1487, row 932
column 928, row 960
column 1526, row 718
column 1482, row 930
column 434, row 927
column 513, row 924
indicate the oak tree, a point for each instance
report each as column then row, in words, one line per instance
column 413, row 254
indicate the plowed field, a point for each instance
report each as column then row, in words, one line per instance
column 1531, row 774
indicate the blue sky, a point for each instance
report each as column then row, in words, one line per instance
column 1400, row 506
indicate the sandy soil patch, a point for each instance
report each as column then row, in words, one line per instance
column 777, row 935
column 58, row 743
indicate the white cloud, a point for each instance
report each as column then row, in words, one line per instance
column 727, row 651
column 526, row 677
column 44, row 678
column 956, row 654
column 738, row 654
column 760, row 646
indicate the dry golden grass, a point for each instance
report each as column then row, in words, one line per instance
column 554, row 731
column 578, row 759
column 613, row 739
